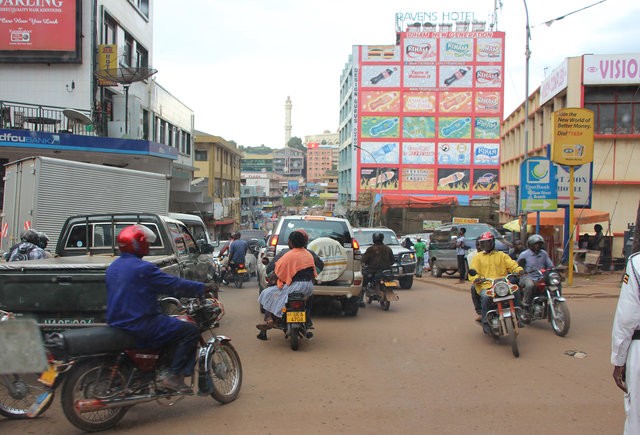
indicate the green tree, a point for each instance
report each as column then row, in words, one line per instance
column 296, row 142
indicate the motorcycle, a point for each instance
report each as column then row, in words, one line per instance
column 505, row 319
column 382, row 288
column 237, row 274
column 548, row 303
column 22, row 395
column 294, row 320
column 103, row 373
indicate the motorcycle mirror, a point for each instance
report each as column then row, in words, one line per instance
column 265, row 260
column 472, row 272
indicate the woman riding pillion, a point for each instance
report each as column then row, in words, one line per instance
column 295, row 272
column 489, row 263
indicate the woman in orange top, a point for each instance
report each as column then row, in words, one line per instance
column 295, row 271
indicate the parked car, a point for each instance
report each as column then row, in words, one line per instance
column 333, row 240
column 405, row 258
column 442, row 250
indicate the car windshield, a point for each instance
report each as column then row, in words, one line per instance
column 364, row 237
column 475, row 230
column 315, row 229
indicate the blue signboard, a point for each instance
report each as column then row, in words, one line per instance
column 538, row 185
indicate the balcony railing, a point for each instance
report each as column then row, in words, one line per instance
column 50, row 119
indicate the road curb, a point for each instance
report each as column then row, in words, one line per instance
column 567, row 293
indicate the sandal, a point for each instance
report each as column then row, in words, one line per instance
column 265, row 326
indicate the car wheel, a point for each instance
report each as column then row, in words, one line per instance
column 350, row 307
column 406, row 282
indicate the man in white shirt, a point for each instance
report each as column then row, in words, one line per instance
column 625, row 344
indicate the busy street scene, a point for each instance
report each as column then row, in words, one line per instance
column 319, row 217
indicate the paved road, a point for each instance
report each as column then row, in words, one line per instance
column 422, row 367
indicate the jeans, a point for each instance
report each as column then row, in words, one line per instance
column 527, row 285
column 419, row 266
column 462, row 267
column 475, row 298
column 184, row 356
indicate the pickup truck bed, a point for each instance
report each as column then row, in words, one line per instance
column 69, row 291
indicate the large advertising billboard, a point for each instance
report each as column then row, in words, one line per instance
column 429, row 112
column 41, row 31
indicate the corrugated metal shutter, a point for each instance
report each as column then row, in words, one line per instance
column 69, row 188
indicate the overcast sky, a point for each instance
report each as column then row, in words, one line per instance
column 234, row 62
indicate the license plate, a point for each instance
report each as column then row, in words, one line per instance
column 242, row 270
column 68, row 321
column 390, row 284
column 296, row 317
column 48, row 376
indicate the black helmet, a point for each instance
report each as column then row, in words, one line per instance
column 377, row 237
column 30, row 236
column 533, row 239
column 43, row 240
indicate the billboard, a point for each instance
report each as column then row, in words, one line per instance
column 428, row 114
column 41, row 31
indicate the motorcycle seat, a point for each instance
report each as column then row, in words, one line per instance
column 96, row 340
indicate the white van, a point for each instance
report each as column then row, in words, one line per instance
column 196, row 226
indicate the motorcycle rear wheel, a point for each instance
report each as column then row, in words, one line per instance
column 90, row 381
column 385, row 304
column 26, row 389
column 294, row 337
column 227, row 373
column 562, row 320
column 513, row 337
column 238, row 280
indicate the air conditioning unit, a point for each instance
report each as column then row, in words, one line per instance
column 134, row 114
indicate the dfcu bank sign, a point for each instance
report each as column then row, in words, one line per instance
column 30, row 139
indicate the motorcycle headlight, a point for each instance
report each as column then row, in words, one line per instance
column 554, row 278
column 408, row 258
column 501, row 289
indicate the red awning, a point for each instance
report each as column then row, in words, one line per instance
column 224, row 222
column 417, row 201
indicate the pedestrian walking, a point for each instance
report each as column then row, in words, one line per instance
column 420, row 247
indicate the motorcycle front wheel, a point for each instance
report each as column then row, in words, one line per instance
column 227, row 373
column 513, row 337
column 91, row 381
column 18, row 393
column 562, row 319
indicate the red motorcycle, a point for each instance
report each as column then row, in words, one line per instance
column 548, row 303
column 103, row 373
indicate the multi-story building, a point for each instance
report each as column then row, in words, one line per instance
column 288, row 161
column 79, row 85
column 322, row 154
column 257, row 162
column 422, row 117
column 218, row 165
column 607, row 85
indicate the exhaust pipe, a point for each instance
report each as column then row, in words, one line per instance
column 92, row 405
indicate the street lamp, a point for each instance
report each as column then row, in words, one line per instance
column 527, row 55
column 376, row 179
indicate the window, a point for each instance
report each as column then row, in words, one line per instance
column 201, row 156
column 142, row 56
column 616, row 109
column 127, row 55
column 109, row 35
column 142, row 6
